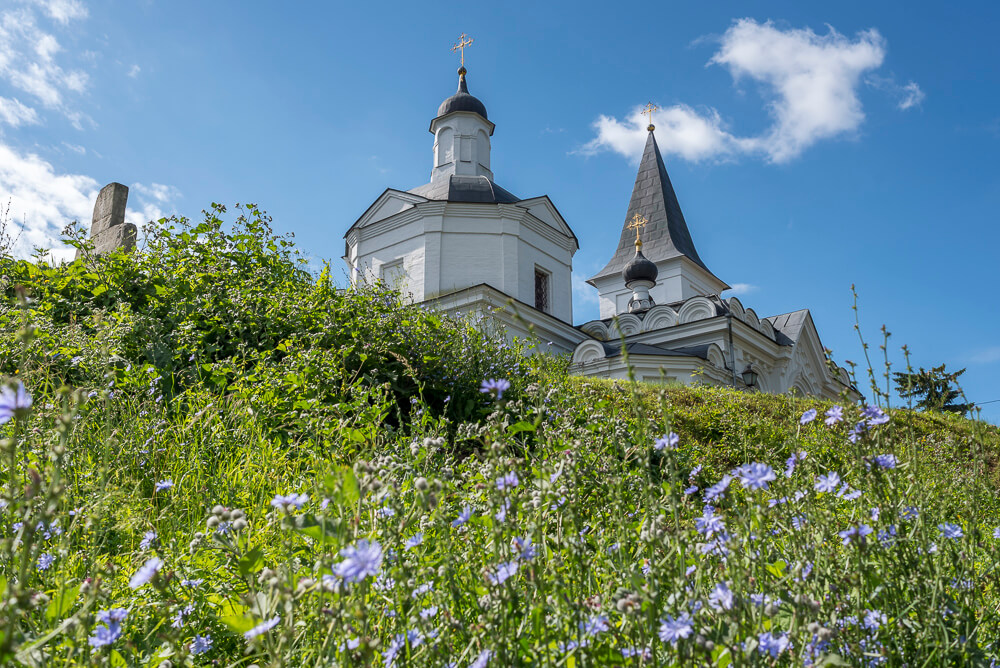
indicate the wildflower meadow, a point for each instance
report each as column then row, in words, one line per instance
column 212, row 456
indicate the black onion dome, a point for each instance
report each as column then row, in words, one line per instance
column 640, row 269
column 462, row 100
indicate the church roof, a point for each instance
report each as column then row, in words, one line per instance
column 666, row 233
column 700, row 351
column 789, row 325
column 462, row 100
column 457, row 188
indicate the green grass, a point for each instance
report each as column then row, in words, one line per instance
column 228, row 371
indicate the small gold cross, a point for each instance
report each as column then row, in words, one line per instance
column 649, row 109
column 637, row 223
column 460, row 45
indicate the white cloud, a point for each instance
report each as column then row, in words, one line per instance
column 907, row 96
column 76, row 148
column 156, row 192
column 43, row 200
column 28, row 61
column 742, row 289
column 809, row 84
column 63, row 11
column 16, row 114
column 134, row 71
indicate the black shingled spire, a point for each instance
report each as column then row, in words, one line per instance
column 666, row 234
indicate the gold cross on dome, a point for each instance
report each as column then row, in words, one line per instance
column 649, row 109
column 460, row 45
column 637, row 223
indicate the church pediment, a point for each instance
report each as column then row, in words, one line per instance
column 544, row 210
column 388, row 204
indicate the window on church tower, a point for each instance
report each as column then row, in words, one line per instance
column 541, row 290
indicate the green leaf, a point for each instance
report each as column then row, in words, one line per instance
column 117, row 659
column 234, row 615
column 350, row 489
column 61, row 603
column 321, row 530
column 251, row 561
column 519, row 427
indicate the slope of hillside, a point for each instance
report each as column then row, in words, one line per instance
column 225, row 461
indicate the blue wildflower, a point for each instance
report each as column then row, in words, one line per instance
column 756, row 475
column 721, row 597
column 827, row 483
column 808, row 416
column 508, row 481
column 772, row 644
column 885, row 461
column 834, row 415
column 874, row 415
column 859, row 531
column 14, row 400
column 595, row 625
column 464, row 516
column 162, row 485
column 874, row 619
column 262, row 628
column 361, row 560
column 44, row 561
column 287, row 502
column 949, row 530
column 145, row 572
column 709, row 523
column 667, row 442
column 147, row 540
column 414, row 540
column 482, row 660
column 495, row 387
column 106, row 635
column 673, row 630
column 201, row 644
column 526, row 549
column 909, row 513
column 791, row 461
column 502, row 573
column 718, row 489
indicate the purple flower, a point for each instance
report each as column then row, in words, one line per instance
column 874, row 619
column 791, row 461
column 14, row 400
column 949, row 530
column 756, row 475
column 414, row 540
column 808, row 416
column 885, row 461
column 288, row 501
column 834, row 415
column 773, row 644
column 162, row 485
column 847, row 494
column 828, row 482
column 672, row 630
column 112, row 616
column 361, row 560
column 709, row 523
column 145, row 572
column 44, row 561
column 201, row 644
column 667, row 442
column 526, row 549
column 874, row 415
column 721, row 598
column 503, row 571
column 105, row 635
column 595, row 625
column 482, row 660
column 909, row 513
column 690, row 490
column 860, row 531
column 262, row 628
column 147, row 540
column 464, row 516
column 718, row 489
column 429, row 613
column 508, row 481
column 996, row 533
column 495, row 387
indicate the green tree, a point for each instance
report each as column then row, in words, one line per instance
column 935, row 389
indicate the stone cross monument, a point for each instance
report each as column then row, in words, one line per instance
column 108, row 230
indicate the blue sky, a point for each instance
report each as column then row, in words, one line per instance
column 812, row 147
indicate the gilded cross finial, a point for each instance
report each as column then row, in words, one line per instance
column 638, row 222
column 649, row 109
column 460, row 45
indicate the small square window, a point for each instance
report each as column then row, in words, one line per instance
column 541, row 290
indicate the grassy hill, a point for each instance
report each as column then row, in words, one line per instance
column 227, row 461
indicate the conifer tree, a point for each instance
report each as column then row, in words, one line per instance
column 935, row 389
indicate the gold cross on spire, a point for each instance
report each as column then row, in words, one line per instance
column 460, row 45
column 638, row 222
column 650, row 108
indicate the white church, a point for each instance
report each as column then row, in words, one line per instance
column 463, row 244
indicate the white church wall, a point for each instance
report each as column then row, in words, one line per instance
column 537, row 251
column 461, row 146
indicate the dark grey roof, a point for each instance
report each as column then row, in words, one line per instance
column 666, row 233
column 466, row 189
column 462, row 100
column 788, row 326
column 611, row 350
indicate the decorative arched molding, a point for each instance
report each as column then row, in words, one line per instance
column 736, row 308
column 752, row 319
column 659, row 317
column 802, row 386
column 483, row 148
column 715, row 356
column 768, row 329
column 696, row 308
column 844, row 376
column 588, row 351
column 444, row 146
column 596, row 329
column 625, row 324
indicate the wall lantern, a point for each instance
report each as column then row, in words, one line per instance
column 750, row 376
